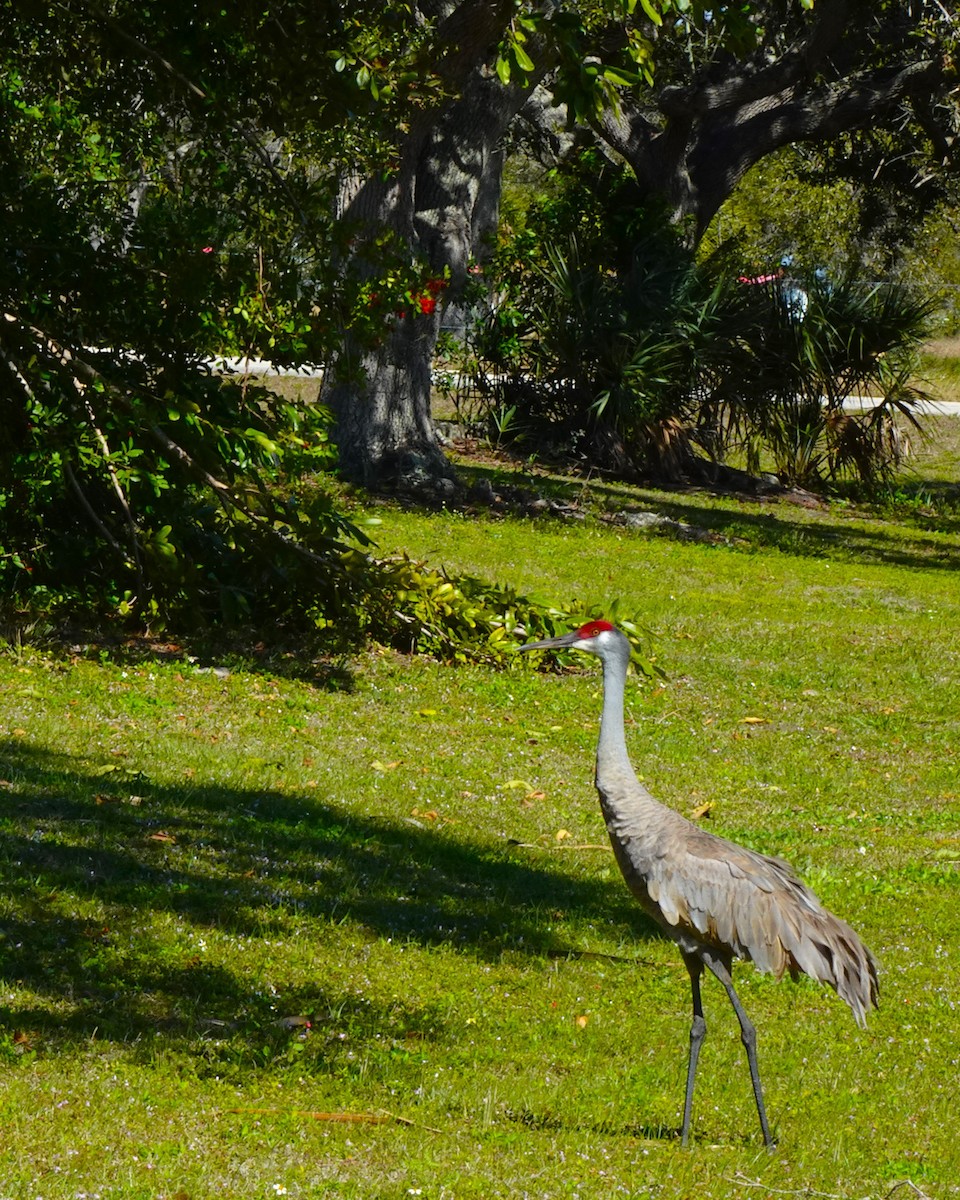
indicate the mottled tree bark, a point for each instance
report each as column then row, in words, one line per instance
column 697, row 141
column 442, row 204
column 381, row 404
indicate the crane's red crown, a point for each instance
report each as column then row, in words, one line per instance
column 592, row 628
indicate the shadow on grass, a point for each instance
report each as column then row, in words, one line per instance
column 552, row 1123
column 230, row 649
column 869, row 540
column 912, row 539
column 109, row 895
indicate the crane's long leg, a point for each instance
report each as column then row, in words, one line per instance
column 748, row 1036
column 698, row 1030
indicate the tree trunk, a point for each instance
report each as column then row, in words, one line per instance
column 442, row 205
column 381, row 404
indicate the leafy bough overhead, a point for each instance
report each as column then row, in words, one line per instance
column 95, row 525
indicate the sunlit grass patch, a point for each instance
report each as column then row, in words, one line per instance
column 259, row 938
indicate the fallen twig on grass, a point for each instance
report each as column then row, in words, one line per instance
column 742, row 1180
column 907, row 1183
column 345, row 1118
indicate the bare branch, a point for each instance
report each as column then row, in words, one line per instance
column 91, row 511
column 117, row 489
column 907, row 1183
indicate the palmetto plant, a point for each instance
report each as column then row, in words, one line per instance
column 622, row 361
column 854, row 341
column 651, row 366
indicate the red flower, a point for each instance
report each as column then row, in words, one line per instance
column 427, row 304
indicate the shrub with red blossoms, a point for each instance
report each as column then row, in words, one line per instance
column 427, row 300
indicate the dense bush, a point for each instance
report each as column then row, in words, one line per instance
column 854, row 340
column 140, row 237
column 617, row 362
column 415, row 607
column 611, row 340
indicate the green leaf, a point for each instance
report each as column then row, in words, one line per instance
column 523, row 59
column 651, row 12
column 622, row 76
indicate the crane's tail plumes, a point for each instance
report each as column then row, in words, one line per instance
column 808, row 939
column 830, row 952
column 757, row 908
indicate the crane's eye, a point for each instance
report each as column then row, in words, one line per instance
column 592, row 628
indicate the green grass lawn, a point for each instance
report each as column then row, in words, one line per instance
column 195, row 862
column 940, row 368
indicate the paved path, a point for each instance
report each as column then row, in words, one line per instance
column 936, row 408
column 260, row 366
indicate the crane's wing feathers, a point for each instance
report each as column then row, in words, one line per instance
column 730, row 898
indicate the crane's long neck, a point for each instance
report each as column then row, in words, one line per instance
column 621, row 793
column 612, row 746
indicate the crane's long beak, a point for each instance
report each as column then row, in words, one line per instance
column 557, row 643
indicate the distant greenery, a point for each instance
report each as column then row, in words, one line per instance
column 611, row 340
column 940, row 368
column 797, row 202
column 781, row 207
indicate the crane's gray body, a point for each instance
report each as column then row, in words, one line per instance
column 717, row 900
column 709, row 893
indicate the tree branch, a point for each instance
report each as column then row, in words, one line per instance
column 761, row 75
column 229, row 500
column 254, row 142
column 91, row 512
column 118, row 490
column 77, row 372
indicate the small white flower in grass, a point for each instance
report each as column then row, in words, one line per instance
column 279, row 1189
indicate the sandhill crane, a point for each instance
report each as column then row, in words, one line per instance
column 717, row 900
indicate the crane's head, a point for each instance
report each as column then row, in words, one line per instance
column 596, row 637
